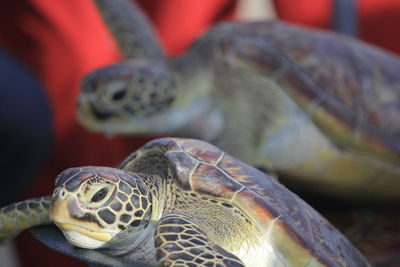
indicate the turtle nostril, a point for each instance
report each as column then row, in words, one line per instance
column 58, row 193
column 55, row 193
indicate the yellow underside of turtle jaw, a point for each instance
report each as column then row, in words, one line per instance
column 83, row 238
column 110, row 126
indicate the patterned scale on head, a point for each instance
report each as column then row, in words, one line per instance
column 115, row 95
column 93, row 205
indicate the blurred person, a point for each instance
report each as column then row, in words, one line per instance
column 26, row 128
column 59, row 42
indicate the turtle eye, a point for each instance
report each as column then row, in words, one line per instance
column 119, row 95
column 114, row 93
column 94, row 194
column 100, row 195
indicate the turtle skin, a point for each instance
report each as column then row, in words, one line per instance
column 187, row 202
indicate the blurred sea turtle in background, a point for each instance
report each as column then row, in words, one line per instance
column 321, row 107
column 184, row 202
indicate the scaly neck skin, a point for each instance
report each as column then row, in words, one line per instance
column 140, row 246
column 195, row 103
column 196, row 63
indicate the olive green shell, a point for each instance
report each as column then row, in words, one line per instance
column 346, row 89
column 299, row 232
column 350, row 89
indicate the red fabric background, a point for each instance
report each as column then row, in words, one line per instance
column 379, row 20
column 61, row 41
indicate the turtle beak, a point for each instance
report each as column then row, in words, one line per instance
column 79, row 227
column 66, row 211
column 59, row 205
column 84, row 113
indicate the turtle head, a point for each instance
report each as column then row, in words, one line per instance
column 100, row 207
column 136, row 97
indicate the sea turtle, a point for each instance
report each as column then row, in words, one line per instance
column 184, row 202
column 320, row 107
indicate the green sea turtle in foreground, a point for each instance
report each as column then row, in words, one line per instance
column 185, row 202
column 322, row 108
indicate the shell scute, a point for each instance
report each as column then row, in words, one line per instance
column 201, row 151
column 182, row 168
column 258, row 211
column 244, row 174
column 208, row 179
column 166, row 144
column 264, row 60
column 267, row 198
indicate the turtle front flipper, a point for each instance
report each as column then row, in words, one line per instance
column 180, row 241
column 131, row 28
column 22, row 215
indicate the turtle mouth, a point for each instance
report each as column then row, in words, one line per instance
column 81, row 233
column 104, row 122
column 82, row 237
column 100, row 236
